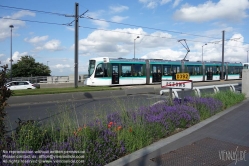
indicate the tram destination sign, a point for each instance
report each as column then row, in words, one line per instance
column 188, row 84
column 182, row 76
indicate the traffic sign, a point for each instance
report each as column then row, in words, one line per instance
column 182, row 76
column 188, row 84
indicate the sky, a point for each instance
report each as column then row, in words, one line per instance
column 150, row 29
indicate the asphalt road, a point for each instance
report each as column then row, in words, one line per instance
column 82, row 111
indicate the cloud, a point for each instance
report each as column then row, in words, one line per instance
column 98, row 21
column 52, row 45
column 152, row 4
column 120, row 42
column 61, row 67
column 118, row 9
column 118, row 18
column 15, row 57
column 234, row 51
column 23, row 13
column 176, row 3
column 224, row 9
column 70, row 28
column 164, row 54
column 164, row 2
column 36, row 39
column 5, row 23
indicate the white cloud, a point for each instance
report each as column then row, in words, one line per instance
column 176, row 3
column 22, row 13
column 61, row 67
column 101, row 24
column 120, row 42
column 5, row 23
column 52, row 45
column 164, row 54
column 15, row 57
column 152, row 4
column 235, row 51
column 36, row 39
column 118, row 9
column 118, row 18
column 164, row 2
column 70, row 28
column 98, row 21
column 224, row 9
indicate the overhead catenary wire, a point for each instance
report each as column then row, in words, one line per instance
column 88, row 17
column 39, row 11
column 66, row 24
column 43, row 22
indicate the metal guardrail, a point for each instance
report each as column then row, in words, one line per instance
column 50, row 79
column 197, row 89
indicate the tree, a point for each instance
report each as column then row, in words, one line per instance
column 5, row 93
column 26, row 67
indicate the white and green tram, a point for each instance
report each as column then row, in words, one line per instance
column 119, row 71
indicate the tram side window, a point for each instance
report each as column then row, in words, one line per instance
column 237, row 70
column 231, row 70
column 126, row 70
column 101, row 70
column 217, row 70
column 137, row 70
column 167, row 70
column 197, row 70
column 175, row 69
column 190, row 70
column 209, row 69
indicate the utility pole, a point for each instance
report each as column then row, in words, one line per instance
column 222, row 65
column 76, row 38
column 76, row 46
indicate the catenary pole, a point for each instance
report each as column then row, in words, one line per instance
column 222, row 65
column 76, row 45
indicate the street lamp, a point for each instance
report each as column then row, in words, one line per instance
column 134, row 45
column 11, row 26
column 202, row 51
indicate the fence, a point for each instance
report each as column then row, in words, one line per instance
column 197, row 89
column 50, row 79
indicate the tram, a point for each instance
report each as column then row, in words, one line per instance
column 120, row 71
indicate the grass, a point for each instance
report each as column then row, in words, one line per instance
column 60, row 90
column 119, row 133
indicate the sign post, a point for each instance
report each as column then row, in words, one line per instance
column 182, row 82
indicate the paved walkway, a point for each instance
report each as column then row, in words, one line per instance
column 208, row 143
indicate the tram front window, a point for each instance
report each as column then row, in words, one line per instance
column 91, row 67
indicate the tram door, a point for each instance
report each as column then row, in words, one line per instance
column 115, row 74
column 156, row 73
column 209, row 72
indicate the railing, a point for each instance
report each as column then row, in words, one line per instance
column 50, row 79
column 197, row 89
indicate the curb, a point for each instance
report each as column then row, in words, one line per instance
column 157, row 145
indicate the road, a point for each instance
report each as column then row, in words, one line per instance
column 82, row 111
